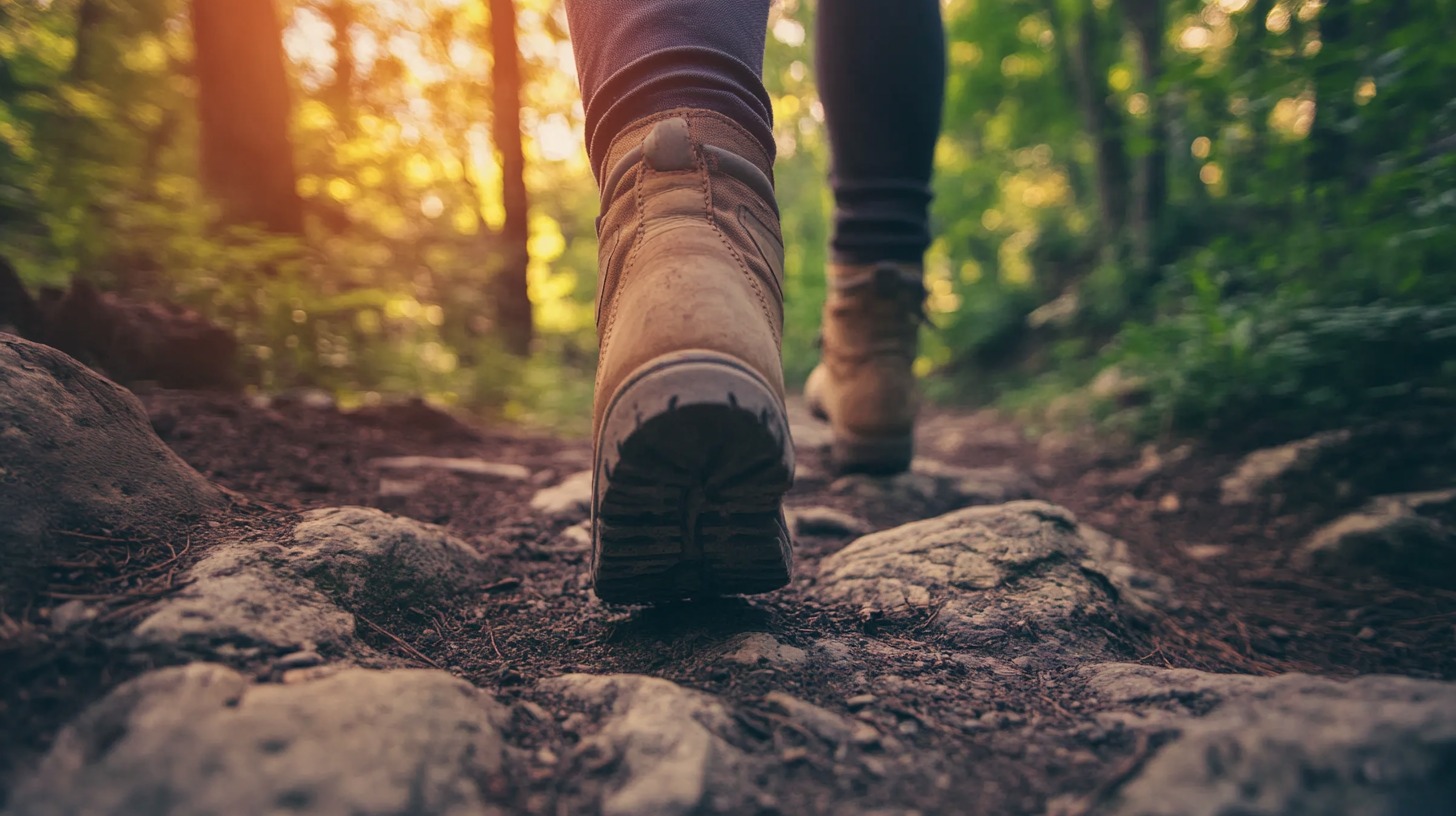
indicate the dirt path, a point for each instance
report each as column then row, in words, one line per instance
column 1029, row 671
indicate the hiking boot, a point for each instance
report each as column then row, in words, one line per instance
column 691, row 441
column 864, row 385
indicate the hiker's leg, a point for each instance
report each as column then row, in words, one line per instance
column 691, row 448
column 880, row 65
column 635, row 58
column 881, row 72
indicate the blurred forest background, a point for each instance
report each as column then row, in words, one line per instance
column 1186, row 216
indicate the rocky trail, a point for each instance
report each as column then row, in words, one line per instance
column 217, row 604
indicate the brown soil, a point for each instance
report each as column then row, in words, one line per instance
column 1006, row 741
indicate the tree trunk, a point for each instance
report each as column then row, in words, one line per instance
column 512, row 302
column 1079, row 44
column 1145, row 18
column 243, row 110
column 340, row 93
column 1334, row 92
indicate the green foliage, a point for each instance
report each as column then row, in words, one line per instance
column 1257, row 223
column 1299, row 272
column 1225, row 366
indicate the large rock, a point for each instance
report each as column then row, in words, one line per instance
column 78, row 454
column 1259, row 474
column 1409, row 536
column 982, row 574
column 236, row 601
column 358, row 553
column 200, row 739
column 1288, row 746
column 668, row 745
column 274, row 598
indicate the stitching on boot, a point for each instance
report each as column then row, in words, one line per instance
column 728, row 245
column 627, row 262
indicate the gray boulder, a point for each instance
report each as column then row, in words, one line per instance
column 1288, row 745
column 357, row 553
column 237, row 602
column 982, row 573
column 275, row 598
column 77, row 453
column 1405, row 536
column 1258, row 475
column 200, row 739
column 668, row 745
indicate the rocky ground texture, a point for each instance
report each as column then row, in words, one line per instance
column 219, row 604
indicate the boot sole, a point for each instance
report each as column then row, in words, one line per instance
column 692, row 463
column 877, row 456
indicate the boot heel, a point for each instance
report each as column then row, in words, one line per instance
column 693, row 460
column 873, row 455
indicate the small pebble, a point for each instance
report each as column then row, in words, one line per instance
column 1367, row 634
column 860, row 701
column 865, row 735
column 71, row 614
column 791, row 755
column 298, row 660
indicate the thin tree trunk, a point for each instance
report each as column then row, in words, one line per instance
column 243, row 109
column 512, row 301
column 340, row 93
column 1079, row 44
column 1150, row 194
column 1328, row 145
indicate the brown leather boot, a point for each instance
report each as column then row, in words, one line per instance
column 864, row 384
column 692, row 450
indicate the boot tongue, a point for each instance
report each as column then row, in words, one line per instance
column 668, row 147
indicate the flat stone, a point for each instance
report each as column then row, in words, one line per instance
column 201, row 739
column 825, row 521
column 1257, row 474
column 667, row 745
column 477, row 468
column 762, row 649
column 821, row 722
column 1023, row 567
column 932, row 482
column 1403, row 536
column 235, row 596
column 1293, row 744
column 299, row 595
column 569, row 501
column 78, row 453
column 392, row 488
column 352, row 552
